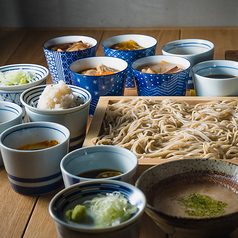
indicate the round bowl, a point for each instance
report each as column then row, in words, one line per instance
column 10, row 115
column 97, row 158
column 194, row 50
column 59, row 62
column 34, row 172
column 13, row 93
column 75, row 119
column 76, row 194
column 213, row 178
column 216, row 78
column 161, row 84
column 103, row 85
column 149, row 43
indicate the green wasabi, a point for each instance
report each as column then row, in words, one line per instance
column 198, row 205
column 76, row 214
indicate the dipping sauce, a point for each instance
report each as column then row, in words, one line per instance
column 100, row 173
column 127, row 45
column 99, row 70
column 68, row 47
column 194, row 199
column 162, row 67
column 39, row 145
column 220, row 76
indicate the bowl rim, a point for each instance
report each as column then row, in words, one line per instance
column 27, row 125
column 130, row 35
column 74, row 226
column 187, row 219
column 55, row 111
column 109, row 148
column 66, row 41
column 28, row 85
column 191, row 41
column 158, row 57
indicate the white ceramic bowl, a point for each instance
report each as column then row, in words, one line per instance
column 216, row 87
column 76, row 194
column 99, row 157
column 161, row 84
column 190, row 171
column 75, row 119
column 59, row 62
column 194, row 50
column 13, row 93
column 104, row 85
column 148, row 42
column 10, row 115
column 34, row 172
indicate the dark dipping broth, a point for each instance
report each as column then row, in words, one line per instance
column 100, row 173
column 220, row 76
column 39, row 145
column 195, row 196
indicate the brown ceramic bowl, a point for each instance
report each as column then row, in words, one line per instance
column 207, row 177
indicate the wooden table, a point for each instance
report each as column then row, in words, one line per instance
column 28, row 216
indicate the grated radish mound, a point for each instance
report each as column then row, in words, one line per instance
column 58, row 96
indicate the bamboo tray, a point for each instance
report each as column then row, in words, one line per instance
column 95, row 127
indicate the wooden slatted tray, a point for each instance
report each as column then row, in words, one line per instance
column 95, row 127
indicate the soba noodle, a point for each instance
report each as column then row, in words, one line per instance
column 172, row 129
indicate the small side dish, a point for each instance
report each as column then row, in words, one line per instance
column 69, row 47
column 99, row 70
column 127, row 45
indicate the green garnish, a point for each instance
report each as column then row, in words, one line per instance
column 198, row 205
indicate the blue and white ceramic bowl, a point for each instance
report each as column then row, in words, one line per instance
column 149, row 43
column 59, row 62
column 75, row 119
column 161, row 84
column 13, row 93
column 10, row 115
column 99, row 157
column 194, row 50
column 104, row 85
column 216, row 78
column 34, row 172
column 76, row 194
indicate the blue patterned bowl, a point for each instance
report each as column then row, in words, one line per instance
column 34, row 172
column 13, row 93
column 161, row 84
column 104, row 85
column 129, row 56
column 59, row 62
column 75, row 119
column 98, row 157
column 76, row 194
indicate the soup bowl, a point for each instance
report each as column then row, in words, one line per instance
column 99, row 159
column 12, row 93
column 10, row 115
column 35, row 170
column 169, row 84
column 216, row 78
column 194, row 50
column 75, row 118
column 100, row 85
column 169, row 188
column 147, row 42
column 59, row 61
column 76, row 194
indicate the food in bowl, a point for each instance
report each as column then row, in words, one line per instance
column 68, row 47
column 100, row 173
column 99, row 70
column 16, row 77
column 127, row 45
column 58, row 96
column 161, row 67
column 106, row 210
column 171, row 129
column 39, row 145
